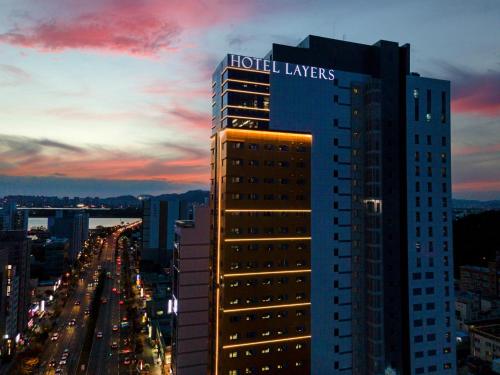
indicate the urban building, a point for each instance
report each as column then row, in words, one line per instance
column 189, row 305
column 485, row 342
column 261, row 247
column 485, row 280
column 15, row 277
column 158, row 221
column 13, row 219
column 55, row 254
column 381, row 281
column 73, row 225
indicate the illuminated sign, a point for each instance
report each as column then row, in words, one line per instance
column 276, row 67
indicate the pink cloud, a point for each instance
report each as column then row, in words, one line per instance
column 478, row 186
column 44, row 157
column 141, row 28
column 475, row 93
column 477, row 149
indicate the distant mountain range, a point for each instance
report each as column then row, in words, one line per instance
column 124, row 201
column 192, row 195
column 471, row 204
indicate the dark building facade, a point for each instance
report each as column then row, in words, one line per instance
column 380, row 195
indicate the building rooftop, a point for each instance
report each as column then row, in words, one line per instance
column 491, row 331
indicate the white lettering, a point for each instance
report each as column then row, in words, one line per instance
column 257, row 63
column 260, row 64
column 266, row 65
column 313, row 72
column 235, row 60
column 306, row 68
column 249, row 60
column 275, row 67
column 322, row 73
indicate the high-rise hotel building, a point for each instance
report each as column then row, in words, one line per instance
column 331, row 213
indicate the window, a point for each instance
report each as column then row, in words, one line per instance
column 335, row 98
column 417, row 139
column 429, row 140
column 233, row 354
column 443, row 107
column 429, row 101
column 416, row 104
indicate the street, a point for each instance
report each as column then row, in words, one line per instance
column 104, row 355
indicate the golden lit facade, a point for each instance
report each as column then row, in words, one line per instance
column 260, row 252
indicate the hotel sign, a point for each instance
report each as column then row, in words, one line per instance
column 276, row 67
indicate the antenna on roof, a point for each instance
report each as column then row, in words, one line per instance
column 343, row 37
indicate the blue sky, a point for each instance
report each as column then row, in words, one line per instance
column 108, row 97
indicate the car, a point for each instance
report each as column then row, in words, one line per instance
column 114, row 290
column 115, row 328
column 114, row 345
column 72, row 322
column 77, row 303
column 52, row 364
column 104, row 300
column 99, row 335
column 55, row 336
column 126, row 361
column 66, row 350
column 59, row 370
column 62, row 362
column 121, row 302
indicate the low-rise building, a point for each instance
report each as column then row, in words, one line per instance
column 485, row 342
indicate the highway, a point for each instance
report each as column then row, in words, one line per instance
column 103, row 359
column 70, row 337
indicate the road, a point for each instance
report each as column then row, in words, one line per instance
column 103, row 359
column 70, row 337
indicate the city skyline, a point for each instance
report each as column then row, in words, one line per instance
column 117, row 92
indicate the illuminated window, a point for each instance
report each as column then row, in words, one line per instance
column 265, row 368
column 233, row 354
column 234, row 336
column 265, row 350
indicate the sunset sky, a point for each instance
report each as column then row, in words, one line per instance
column 111, row 97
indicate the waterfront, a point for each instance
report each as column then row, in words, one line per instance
column 34, row 222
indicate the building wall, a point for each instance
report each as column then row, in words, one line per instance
column 261, row 252
column 484, row 346
column 16, row 248
column 159, row 218
column 308, row 105
column 190, row 288
column 430, row 257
